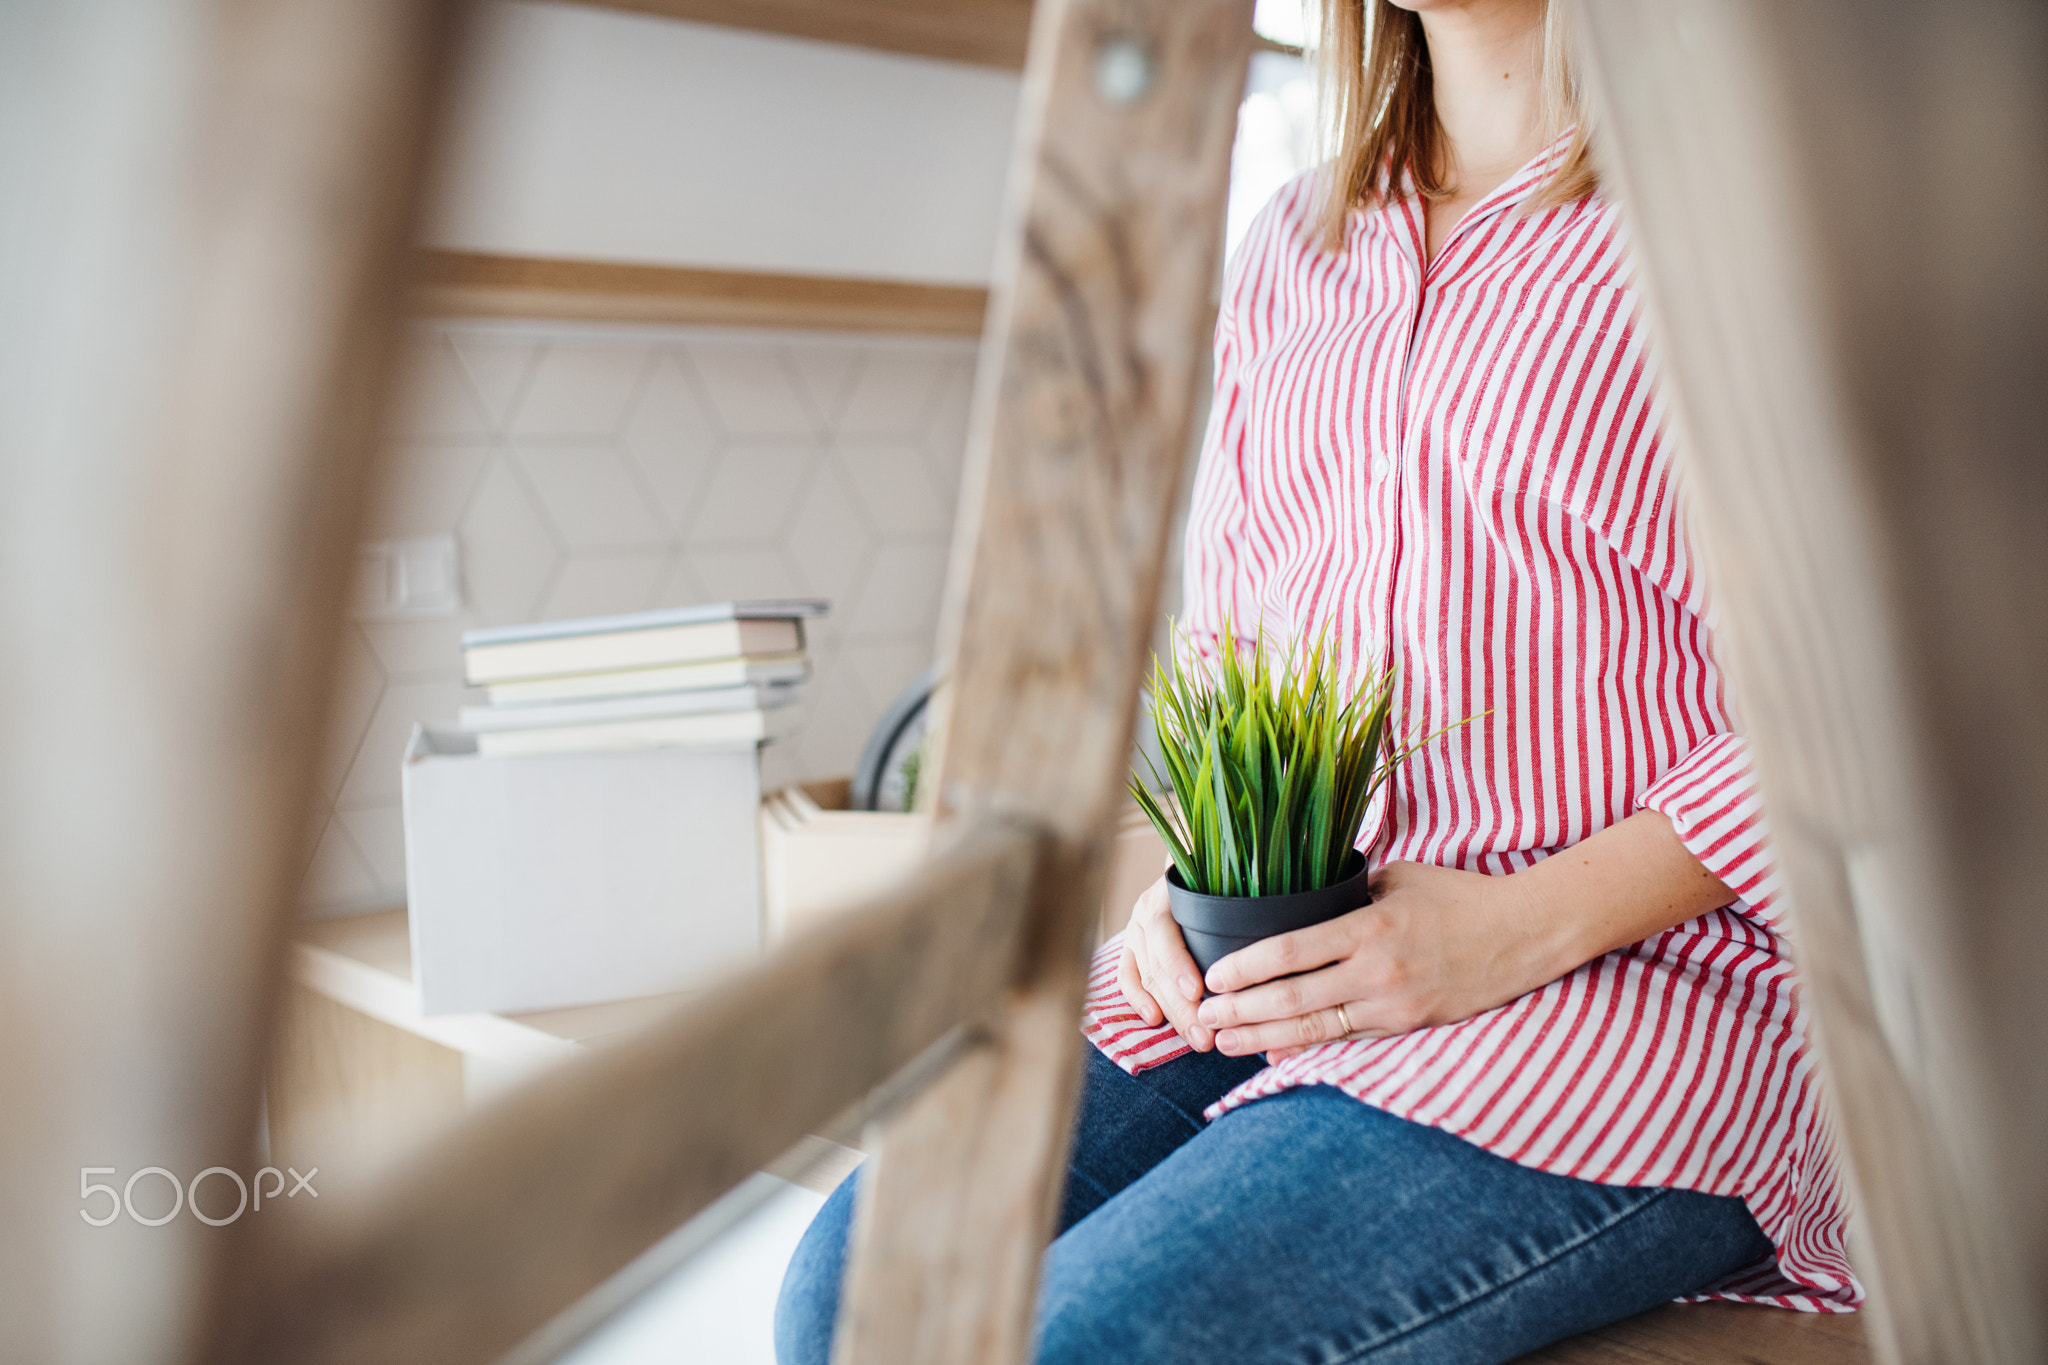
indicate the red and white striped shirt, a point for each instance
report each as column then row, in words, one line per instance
column 1463, row 470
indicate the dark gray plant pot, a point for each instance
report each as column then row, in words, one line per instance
column 1216, row 926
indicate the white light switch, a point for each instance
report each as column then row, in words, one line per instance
column 417, row 578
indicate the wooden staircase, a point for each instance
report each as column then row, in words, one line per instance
column 220, row 249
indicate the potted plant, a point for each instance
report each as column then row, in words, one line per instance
column 1271, row 769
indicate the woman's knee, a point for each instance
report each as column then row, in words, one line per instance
column 808, row 1305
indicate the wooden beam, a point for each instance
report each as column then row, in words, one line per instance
column 468, row 284
column 1837, row 206
column 539, row 1198
column 198, row 333
column 982, row 32
column 1090, row 380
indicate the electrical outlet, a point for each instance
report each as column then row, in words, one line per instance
column 417, row 578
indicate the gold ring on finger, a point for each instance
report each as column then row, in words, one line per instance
column 1343, row 1022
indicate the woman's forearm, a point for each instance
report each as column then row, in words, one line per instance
column 1620, row 886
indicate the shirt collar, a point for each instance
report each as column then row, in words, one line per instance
column 1511, row 193
column 1524, row 183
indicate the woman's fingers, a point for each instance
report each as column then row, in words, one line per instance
column 1128, row 982
column 1289, row 1035
column 1181, row 1014
column 1275, row 1000
column 1303, row 950
column 1165, row 968
column 1170, row 952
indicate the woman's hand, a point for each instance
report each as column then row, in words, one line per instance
column 1157, row 976
column 1438, row 945
column 1435, row 946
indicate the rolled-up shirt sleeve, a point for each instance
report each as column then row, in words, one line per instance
column 1712, row 799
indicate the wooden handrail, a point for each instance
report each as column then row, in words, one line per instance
column 1078, row 455
column 1093, row 369
column 1860, row 405
column 536, row 1200
column 201, row 311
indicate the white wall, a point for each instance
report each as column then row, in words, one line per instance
column 587, row 470
column 592, row 134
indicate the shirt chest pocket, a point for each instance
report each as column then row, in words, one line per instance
column 1554, row 391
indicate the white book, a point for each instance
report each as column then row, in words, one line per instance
column 642, row 639
column 714, row 727
column 633, row 682
column 486, row 719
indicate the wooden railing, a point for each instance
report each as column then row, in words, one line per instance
column 1093, row 366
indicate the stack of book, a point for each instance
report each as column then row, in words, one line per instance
column 724, row 673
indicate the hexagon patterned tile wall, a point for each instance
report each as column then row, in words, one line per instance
column 586, row 470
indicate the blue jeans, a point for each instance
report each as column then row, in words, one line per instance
column 1309, row 1229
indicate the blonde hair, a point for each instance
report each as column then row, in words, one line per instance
column 1379, row 113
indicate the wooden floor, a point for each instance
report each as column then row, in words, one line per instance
column 1716, row 1334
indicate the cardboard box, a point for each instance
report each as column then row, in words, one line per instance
column 549, row 880
column 819, row 857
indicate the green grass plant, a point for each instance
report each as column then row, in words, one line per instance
column 1271, row 762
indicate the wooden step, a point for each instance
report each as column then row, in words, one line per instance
column 1716, row 1334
